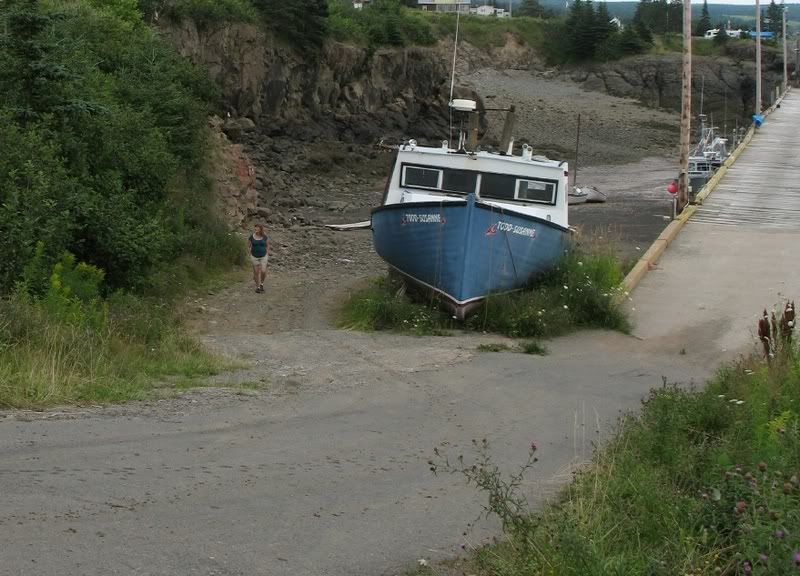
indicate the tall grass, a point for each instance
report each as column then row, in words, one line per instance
column 698, row 483
column 577, row 293
column 141, row 349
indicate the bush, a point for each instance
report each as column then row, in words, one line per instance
column 74, row 295
column 203, row 12
column 380, row 23
column 94, row 149
column 72, row 345
column 579, row 292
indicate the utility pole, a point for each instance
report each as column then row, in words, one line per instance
column 758, row 57
column 797, row 62
column 785, row 50
column 686, row 106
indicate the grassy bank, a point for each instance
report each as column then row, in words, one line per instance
column 106, row 204
column 75, row 344
column 139, row 352
column 698, row 483
column 577, row 293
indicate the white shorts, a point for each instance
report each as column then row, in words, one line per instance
column 262, row 262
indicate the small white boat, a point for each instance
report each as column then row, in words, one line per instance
column 586, row 195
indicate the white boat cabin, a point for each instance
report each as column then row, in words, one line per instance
column 526, row 184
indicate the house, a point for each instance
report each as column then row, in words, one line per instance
column 359, row 4
column 482, row 10
column 487, row 10
column 444, row 5
column 616, row 22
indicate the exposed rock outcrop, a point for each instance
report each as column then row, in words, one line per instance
column 234, row 176
column 347, row 92
column 656, row 81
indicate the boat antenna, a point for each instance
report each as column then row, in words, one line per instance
column 702, row 89
column 453, row 78
column 725, row 109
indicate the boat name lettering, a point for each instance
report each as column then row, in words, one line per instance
column 501, row 226
column 422, row 219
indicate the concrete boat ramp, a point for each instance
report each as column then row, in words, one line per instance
column 332, row 479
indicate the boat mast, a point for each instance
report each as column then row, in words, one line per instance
column 577, row 147
column 686, row 106
column 453, row 77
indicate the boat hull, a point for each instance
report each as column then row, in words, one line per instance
column 465, row 250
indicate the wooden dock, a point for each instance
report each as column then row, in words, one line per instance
column 762, row 188
column 735, row 256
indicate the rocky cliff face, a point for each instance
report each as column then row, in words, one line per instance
column 349, row 92
column 726, row 85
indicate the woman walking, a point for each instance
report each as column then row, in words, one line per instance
column 258, row 247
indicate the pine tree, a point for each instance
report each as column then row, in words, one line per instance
column 582, row 30
column 774, row 19
column 31, row 73
column 705, row 21
column 603, row 25
column 531, row 8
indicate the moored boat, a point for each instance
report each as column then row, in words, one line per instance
column 708, row 155
column 465, row 223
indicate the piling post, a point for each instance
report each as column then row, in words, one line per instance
column 686, row 106
column 758, row 57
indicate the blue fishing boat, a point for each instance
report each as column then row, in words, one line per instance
column 464, row 223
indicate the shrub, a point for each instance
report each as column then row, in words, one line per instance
column 94, row 149
column 578, row 292
column 203, row 12
column 380, row 23
column 74, row 294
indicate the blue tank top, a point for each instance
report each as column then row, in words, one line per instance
column 258, row 248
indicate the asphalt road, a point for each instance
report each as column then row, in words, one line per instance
column 328, row 477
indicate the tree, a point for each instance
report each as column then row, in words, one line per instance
column 722, row 38
column 304, row 23
column 773, row 21
column 630, row 42
column 603, row 25
column 660, row 16
column 643, row 31
column 582, row 30
column 705, row 21
column 532, row 8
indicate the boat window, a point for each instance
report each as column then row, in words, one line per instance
column 418, row 177
column 536, row 191
column 459, row 181
column 498, row 186
column 505, row 187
